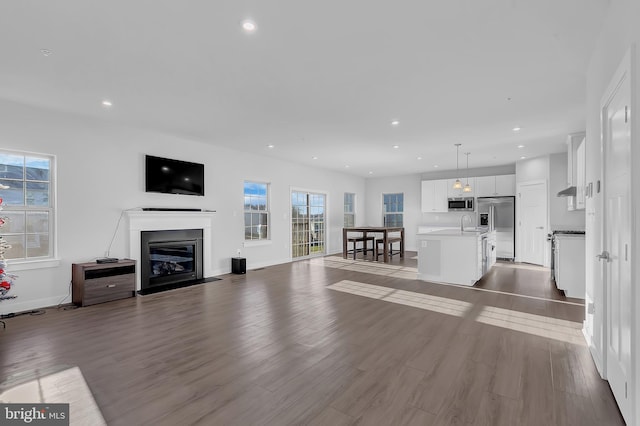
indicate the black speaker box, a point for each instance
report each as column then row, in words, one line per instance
column 238, row 265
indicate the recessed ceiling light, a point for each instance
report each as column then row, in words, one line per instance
column 107, row 103
column 346, row 166
column 249, row 26
column 435, row 166
column 419, row 158
column 46, row 52
column 520, row 146
column 314, row 158
column 270, row 146
column 396, row 146
column 370, row 173
column 516, row 129
column 395, row 123
column 523, row 157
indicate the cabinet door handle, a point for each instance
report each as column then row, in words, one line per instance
column 110, row 285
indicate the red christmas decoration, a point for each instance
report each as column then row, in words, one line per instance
column 6, row 279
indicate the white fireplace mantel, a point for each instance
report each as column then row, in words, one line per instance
column 140, row 220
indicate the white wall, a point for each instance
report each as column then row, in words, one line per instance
column 559, row 216
column 553, row 169
column 506, row 169
column 620, row 31
column 410, row 186
column 101, row 172
column 532, row 169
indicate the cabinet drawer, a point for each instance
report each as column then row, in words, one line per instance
column 108, row 288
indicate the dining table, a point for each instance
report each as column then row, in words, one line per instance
column 364, row 230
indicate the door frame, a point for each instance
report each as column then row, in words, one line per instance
column 519, row 185
column 626, row 70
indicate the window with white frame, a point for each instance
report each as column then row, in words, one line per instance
column 393, row 209
column 349, row 210
column 256, row 211
column 27, row 182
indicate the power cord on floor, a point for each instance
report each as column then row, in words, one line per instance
column 65, row 308
column 18, row 314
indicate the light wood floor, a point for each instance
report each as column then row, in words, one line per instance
column 278, row 346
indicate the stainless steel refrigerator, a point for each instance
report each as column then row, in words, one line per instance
column 499, row 214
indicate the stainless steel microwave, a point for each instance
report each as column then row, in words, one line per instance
column 461, row 204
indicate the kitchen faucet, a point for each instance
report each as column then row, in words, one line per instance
column 462, row 221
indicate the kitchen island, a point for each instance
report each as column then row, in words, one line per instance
column 453, row 256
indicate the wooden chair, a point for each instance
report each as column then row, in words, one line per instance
column 365, row 247
column 391, row 241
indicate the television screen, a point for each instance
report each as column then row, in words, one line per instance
column 173, row 176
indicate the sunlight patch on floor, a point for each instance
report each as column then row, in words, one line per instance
column 551, row 328
column 66, row 387
column 442, row 305
column 368, row 267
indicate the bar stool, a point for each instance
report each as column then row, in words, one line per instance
column 390, row 241
column 364, row 249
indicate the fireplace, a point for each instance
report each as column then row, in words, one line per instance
column 139, row 221
column 170, row 257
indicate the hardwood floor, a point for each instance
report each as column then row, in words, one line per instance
column 281, row 346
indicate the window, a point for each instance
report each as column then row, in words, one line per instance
column 393, row 207
column 308, row 223
column 349, row 210
column 256, row 211
column 28, row 203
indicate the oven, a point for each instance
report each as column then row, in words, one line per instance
column 460, row 204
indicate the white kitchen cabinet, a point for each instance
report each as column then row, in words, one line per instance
column 434, row 196
column 492, row 246
column 450, row 257
column 485, row 186
column 580, row 176
column 505, row 185
column 495, row 186
column 459, row 193
column 569, row 264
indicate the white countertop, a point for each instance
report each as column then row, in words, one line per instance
column 568, row 236
column 455, row 232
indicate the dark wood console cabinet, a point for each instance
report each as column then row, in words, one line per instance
column 103, row 282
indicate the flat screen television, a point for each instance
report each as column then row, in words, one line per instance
column 173, row 176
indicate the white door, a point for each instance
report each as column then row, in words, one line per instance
column 616, row 255
column 532, row 222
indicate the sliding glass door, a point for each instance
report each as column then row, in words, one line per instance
column 308, row 224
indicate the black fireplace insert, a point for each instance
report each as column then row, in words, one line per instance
column 170, row 257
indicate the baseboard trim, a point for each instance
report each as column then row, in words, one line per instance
column 595, row 355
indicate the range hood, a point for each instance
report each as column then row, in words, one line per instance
column 569, row 192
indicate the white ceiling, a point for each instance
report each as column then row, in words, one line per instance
column 317, row 78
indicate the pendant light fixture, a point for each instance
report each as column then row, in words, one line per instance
column 467, row 187
column 457, row 184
